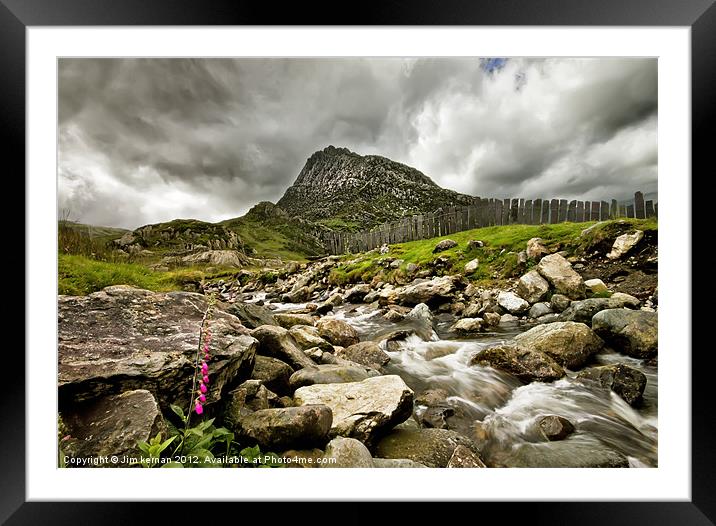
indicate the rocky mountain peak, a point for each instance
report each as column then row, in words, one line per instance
column 362, row 191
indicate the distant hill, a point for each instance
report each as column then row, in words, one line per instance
column 347, row 191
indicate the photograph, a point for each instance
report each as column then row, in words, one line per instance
column 357, row 262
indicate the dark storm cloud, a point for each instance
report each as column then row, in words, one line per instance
column 148, row 140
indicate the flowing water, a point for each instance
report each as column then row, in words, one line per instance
column 501, row 414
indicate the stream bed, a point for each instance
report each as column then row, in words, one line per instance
column 501, row 414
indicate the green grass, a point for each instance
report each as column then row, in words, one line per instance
column 79, row 275
column 267, row 242
column 498, row 256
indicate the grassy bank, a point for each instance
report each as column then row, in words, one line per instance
column 497, row 258
column 79, row 275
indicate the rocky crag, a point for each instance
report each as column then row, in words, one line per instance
column 362, row 191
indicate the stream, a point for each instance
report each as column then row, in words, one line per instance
column 502, row 414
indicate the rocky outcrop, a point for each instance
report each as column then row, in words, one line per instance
column 362, row 410
column 635, row 333
column 559, row 272
column 283, row 428
column 431, row 447
column 337, row 332
column 123, row 338
column 365, row 190
column 583, row 311
column 625, row 381
column 111, row 425
column 569, row 343
column 468, row 325
column 535, row 249
column 527, row 365
column 288, row 320
column 218, row 258
column 464, row 457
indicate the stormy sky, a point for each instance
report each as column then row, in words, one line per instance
column 149, row 140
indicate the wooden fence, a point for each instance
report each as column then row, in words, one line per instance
column 485, row 212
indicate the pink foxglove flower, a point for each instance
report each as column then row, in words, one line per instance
column 202, row 388
column 198, row 408
column 202, row 398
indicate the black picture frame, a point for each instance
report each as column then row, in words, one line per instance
column 700, row 15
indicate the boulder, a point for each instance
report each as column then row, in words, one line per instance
column 559, row 272
column 346, row 453
column 464, row 457
column 563, row 454
column 468, row 325
column 584, row 310
column 445, row 244
column 327, row 374
column 307, row 336
column 625, row 381
column 525, row 364
column 362, row 410
column 475, row 243
column 540, row 309
column 335, row 299
column 571, row 344
column 421, row 312
column 624, row 243
column 112, row 425
column 277, row 342
column 509, row 319
column 626, row 300
column 287, row 320
column 123, row 338
column 554, row 427
column 324, row 308
column 393, row 316
column 298, row 295
column 250, row 396
column 471, row 266
column 535, row 249
column 283, row 428
column 633, row 332
column 365, row 353
column 337, row 332
column 252, row 315
column 396, row 463
column 532, row 287
column 357, row 293
column 273, row 373
column 596, row 286
column 512, row 303
column 559, row 302
column 435, row 290
column 431, row 447
column 491, row 318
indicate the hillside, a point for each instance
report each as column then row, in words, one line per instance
column 347, row 191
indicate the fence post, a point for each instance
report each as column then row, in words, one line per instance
column 630, row 211
column 605, row 210
column 595, row 211
column 650, row 208
column 572, row 211
column 554, row 211
column 614, row 209
column 639, row 205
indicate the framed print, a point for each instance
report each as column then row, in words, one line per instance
column 428, row 240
